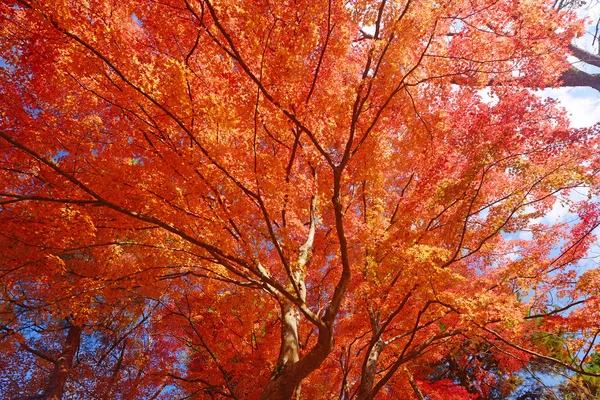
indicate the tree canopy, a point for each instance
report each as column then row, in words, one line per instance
column 294, row 199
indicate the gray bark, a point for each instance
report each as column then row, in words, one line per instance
column 369, row 367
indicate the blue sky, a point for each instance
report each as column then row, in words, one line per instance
column 583, row 104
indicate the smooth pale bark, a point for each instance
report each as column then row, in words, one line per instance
column 369, row 367
column 287, row 379
column 369, row 371
column 414, row 385
column 289, row 354
column 284, row 385
column 289, row 349
column 62, row 366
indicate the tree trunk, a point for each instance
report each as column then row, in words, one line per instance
column 289, row 354
column 290, row 370
column 283, row 385
column 369, row 367
column 369, row 371
column 62, row 366
column 576, row 78
column 289, row 349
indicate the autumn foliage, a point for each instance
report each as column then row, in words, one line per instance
column 308, row 199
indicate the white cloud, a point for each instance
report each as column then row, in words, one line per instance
column 592, row 12
column 582, row 104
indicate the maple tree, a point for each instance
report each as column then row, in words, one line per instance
column 299, row 199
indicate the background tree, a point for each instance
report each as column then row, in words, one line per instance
column 576, row 75
column 245, row 199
